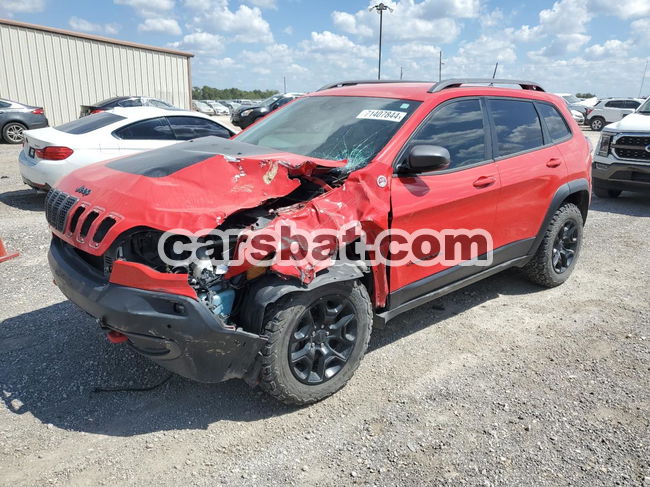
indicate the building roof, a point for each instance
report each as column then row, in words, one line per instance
column 43, row 28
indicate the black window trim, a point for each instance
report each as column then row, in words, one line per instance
column 546, row 138
column 487, row 140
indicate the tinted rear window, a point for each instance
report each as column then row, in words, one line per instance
column 557, row 126
column 517, row 126
column 89, row 123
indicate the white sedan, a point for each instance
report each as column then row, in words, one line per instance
column 52, row 152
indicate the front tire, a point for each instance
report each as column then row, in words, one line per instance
column 12, row 132
column 558, row 252
column 316, row 341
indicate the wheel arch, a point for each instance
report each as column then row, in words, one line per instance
column 576, row 192
column 268, row 289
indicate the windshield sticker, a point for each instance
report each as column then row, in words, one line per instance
column 404, row 106
column 389, row 115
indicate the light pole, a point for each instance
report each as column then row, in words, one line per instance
column 380, row 7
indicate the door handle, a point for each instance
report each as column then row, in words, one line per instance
column 484, row 182
column 554, row 162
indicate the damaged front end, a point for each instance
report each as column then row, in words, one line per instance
column 200, row 316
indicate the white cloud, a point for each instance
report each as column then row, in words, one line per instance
column 10, row 7
column 161, row 25
column 625, row 9
column 246, row 23
column 263, row 3
column 565, row 17
column 147, row 8
column 201, row 43
column 641, row 30
column 610, row 48
column 288, row 30
column 84, row 25
column 432, row 20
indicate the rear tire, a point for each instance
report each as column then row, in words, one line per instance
column 558, row 252
column 597, row 124
column 606, row 193
column 316, row 340
column 12, row 132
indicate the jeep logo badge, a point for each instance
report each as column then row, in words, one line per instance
column 82, row 190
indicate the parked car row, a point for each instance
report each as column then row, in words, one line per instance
column 597, row 113
column 248, row 114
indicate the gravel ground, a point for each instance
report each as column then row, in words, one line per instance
column 502, row 383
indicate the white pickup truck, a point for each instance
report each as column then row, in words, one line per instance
column 622, row 157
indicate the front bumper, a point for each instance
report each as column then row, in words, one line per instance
column 620, row 175
column 177, row 332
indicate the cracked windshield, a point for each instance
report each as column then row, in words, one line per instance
column 333, row 127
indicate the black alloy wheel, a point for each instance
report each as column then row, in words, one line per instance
column 565, row 246
column 323, row 339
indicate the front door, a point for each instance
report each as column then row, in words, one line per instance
column 464, row 196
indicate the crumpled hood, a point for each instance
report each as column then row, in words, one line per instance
column 636, row 122
column 193, row 186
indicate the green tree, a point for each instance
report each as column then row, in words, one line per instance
column 210, row 93
column 585, row 95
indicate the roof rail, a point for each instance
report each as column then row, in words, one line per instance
column 455, row 83
column 340, row 84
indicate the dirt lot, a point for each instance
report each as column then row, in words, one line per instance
column 502, row 383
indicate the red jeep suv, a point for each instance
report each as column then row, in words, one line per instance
column 408, row 190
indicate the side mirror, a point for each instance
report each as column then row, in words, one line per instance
column 425, row 158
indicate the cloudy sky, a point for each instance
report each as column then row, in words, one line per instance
column 599, row 46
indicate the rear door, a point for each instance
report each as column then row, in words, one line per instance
column 464, row 196
column 614, row 110
column 531, row 168
column 144, row 135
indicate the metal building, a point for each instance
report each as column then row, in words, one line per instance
column 61, row 70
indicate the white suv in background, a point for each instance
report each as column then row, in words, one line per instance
column 610, row 110
column 622, row 157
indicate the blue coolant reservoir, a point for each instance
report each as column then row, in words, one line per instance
column 223, row 302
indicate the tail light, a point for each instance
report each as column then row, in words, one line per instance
column 38, row 111
column 96, row 110
column 53, row 153
column 589, row 110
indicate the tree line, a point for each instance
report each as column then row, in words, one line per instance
column 209, row 93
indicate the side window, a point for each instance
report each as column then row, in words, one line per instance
column 555, row 122
column 517, row 126
column 130, row 102
column 632, row 104
column 152, row 129
column 458, row 127
column 159, row 104
column 615, row 104
column 4, row 104
column 187, row 128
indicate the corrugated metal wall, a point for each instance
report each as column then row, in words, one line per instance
column 61, row 72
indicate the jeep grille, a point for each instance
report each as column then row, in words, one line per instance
column 57, row 207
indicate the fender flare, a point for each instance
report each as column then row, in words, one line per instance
column 268, row 289
column 562, row 193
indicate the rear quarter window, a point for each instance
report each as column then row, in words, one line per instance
column 88, row 124
column 555, row 123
